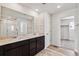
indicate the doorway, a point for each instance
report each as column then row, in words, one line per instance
column 67, row 33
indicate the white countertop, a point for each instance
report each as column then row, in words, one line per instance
column 19, row 38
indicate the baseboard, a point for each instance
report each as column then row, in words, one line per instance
column 55, row 46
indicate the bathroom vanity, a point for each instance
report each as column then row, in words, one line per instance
column 22, row 47
column 18, row 27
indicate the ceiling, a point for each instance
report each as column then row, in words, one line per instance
column 50, row 7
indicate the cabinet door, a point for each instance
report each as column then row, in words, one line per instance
column 12, row 52
column 17, row 49
column 40, row 43
column 33, row 47
column 24, row 50
column 1, row 51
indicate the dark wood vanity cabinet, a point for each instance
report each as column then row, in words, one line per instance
column 17, row 49
column 40, row 44
column 36, row 45
column 28, row 47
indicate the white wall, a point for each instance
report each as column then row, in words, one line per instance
column 56, row 30
column 66, row 21
column 44, row 26
column 77, row 30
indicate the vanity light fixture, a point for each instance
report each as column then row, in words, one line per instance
column 58, row 6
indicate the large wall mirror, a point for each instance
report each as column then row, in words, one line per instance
column 14, row 23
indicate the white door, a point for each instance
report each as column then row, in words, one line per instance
column 47, row 29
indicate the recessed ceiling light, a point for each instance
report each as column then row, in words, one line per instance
column 36, row 9
column 58, row 6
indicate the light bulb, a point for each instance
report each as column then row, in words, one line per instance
column 58, row 6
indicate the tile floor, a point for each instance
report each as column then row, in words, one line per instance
column 55, row 51
column 69, row 44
